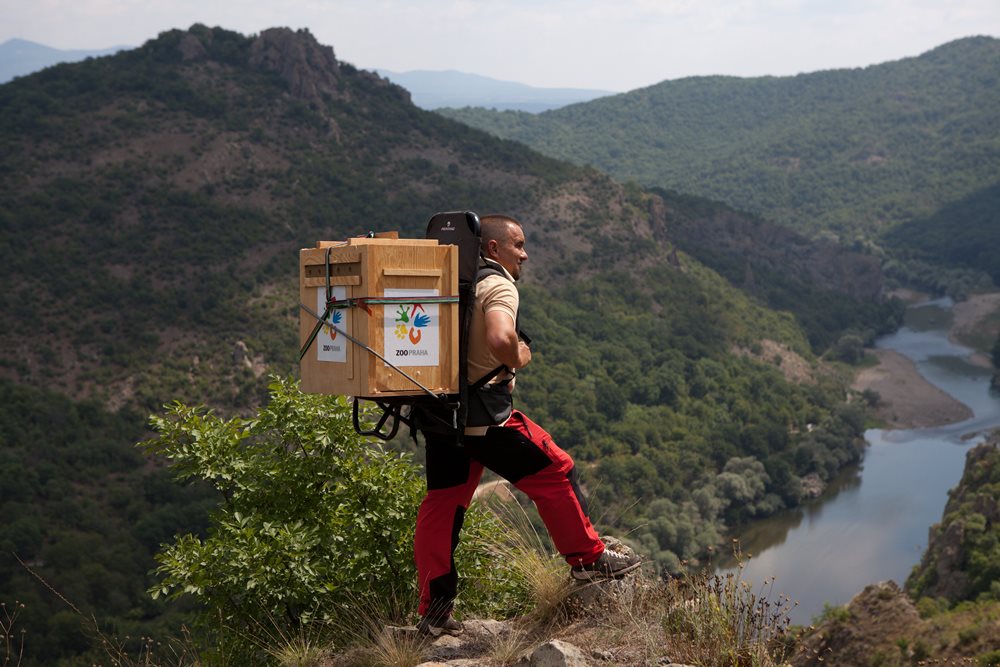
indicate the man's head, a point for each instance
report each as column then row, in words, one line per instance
column 503, row 242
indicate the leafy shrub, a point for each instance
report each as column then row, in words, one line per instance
column 315, row 521
column 316, row 524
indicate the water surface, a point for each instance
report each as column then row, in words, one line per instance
column 872, row 524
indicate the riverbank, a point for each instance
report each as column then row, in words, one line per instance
column 907, row 400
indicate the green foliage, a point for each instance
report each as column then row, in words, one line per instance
column 82, row 509
column 695, row 439
column 962, row 234
column 835, row 613
column 971, row 513
column 314, row 517
column 317, row 522
column 990, row 659
column 956, row 282
column 850, row 349
column 830, row 289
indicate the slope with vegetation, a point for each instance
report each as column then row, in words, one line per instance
column 154, row 202
column 852, row 152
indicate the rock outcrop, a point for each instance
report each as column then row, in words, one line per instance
column 310, row 69
column 971, row 515
column 875, row 622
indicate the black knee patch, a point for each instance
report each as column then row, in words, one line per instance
column 444, row 589
column 447, row 463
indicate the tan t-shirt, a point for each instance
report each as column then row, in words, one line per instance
column 492, row 293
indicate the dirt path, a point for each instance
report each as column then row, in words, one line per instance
column 907, row 399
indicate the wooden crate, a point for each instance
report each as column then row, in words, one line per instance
column 421, row 339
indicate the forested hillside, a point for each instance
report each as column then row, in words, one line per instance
column 154, row 203
column 855, row 152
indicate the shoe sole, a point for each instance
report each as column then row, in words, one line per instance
column 591, row 575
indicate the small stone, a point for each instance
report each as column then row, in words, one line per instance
column 557, row 653
column 486, row 627
column 447, row 647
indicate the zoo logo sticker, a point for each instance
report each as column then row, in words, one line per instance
column 329, row 345
column 411, row 330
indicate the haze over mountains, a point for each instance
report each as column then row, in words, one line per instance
column 19, row 57
column 428, row 89
column 435, row 90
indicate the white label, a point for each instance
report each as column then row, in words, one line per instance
column 330, row 345
column 412, row 330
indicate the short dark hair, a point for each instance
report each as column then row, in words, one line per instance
column 493, row 228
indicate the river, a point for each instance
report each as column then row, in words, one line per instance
column 872, row 523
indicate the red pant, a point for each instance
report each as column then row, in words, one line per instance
column 525, row 455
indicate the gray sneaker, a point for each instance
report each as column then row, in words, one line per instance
column 432, row 626
column 609, row 565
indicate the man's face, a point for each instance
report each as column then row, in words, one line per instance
column 509, row 250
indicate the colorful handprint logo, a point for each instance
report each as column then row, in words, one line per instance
column 336, row 318
column 409, row 322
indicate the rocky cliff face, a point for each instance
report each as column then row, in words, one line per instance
column 310, row 69
column 875, row 623
column 959, row 564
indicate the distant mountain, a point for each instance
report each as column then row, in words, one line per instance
column 436, row 90
column 19, row 57
column 852, row 151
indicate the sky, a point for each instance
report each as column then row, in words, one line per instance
column 614, row 45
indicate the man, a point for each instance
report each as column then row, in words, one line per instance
column 503, row 440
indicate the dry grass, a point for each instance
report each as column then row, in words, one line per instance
column 307, row 646
column 543, row 574
column 386, row 647
column 13, row 649
column 507, row 648
column 705, row 619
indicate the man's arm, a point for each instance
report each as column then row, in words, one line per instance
column 501, row 337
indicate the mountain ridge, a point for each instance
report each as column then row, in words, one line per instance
column 432, row 89
column 850, row 152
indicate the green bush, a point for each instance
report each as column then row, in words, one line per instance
column 316, row 520
column 313, row 516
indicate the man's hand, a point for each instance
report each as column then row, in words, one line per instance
column 523, row 353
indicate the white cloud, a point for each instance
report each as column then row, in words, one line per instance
column 608, row 44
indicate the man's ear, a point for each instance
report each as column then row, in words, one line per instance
column 491, row 248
